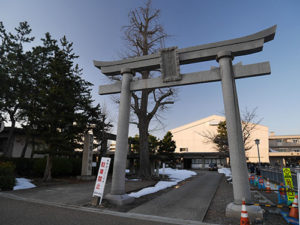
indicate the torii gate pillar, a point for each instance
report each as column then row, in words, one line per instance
column 117, row 194
column 241, row 187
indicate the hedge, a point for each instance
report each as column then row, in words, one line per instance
column 35, row 167
column 7, row 176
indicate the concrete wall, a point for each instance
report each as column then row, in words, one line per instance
column 192, row 137
column 19, row 143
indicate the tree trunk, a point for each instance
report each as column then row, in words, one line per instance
column 145, row 170
column 47, row 173
column 32, row 145
column 9, row 144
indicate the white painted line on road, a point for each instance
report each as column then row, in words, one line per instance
column 107, row 212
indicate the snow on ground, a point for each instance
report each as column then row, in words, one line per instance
column 175, row 177
column 23, row 183
column 226, row 171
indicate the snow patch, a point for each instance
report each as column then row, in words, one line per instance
column 132, row 179
column 23, row 183
column 175, row 177
column 226, row 171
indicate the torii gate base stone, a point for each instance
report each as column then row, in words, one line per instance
column 169, row 61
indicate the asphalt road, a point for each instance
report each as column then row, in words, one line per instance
column 19, row 212
column 189, row 201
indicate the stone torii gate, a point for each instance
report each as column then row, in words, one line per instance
column 168, row 61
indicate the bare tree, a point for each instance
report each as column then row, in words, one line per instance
column 145, row 35
column 249, row 122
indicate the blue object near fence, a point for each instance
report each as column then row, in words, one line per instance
column 289, row 220
column 282, row 199
column 261, row 184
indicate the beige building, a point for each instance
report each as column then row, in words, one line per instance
column 191, row 141
column 284, row 150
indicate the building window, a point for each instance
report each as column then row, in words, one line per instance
column 196, row 161
column 184, row 149
column 278, row 140
column 295, row 140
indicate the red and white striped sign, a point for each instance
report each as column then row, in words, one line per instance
column 101, row 178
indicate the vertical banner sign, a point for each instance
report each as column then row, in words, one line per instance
column 289, row 184
column 101, row 178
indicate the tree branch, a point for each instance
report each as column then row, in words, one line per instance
column 159, row 103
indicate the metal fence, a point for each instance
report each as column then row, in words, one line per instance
column 276, row 175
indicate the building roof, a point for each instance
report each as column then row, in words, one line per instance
column 284, row 136
column 198, row 122
column 214, row 119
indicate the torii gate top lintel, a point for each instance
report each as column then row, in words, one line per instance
column 238, row 46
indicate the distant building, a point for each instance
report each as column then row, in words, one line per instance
column 198, row 152
column 18, row 142
column 112, row 146
column 284, row 150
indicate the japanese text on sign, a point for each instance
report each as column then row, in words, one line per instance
column 101, row 178
column 289, row 184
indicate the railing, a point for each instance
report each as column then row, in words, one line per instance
column 284, row 144
column 276, row 175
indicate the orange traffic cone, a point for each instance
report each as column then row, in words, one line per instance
column 244, row 214
column 294, row 210
column 268, row 186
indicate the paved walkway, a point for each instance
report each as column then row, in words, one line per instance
column 73, row 194
column 190, row 201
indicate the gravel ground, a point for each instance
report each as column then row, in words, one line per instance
column 224, row 195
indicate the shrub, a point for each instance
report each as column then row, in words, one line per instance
column 7, row 176
column 76, row 166
column 28, row 167
column 61, row 167
column 24, row 167
column 39, row 166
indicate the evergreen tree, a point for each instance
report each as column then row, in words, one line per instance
column 43, row 89
column 166, row 148
column 64, row 103
column 153, row 143
column 14, row 73
column 100, row 128
column 220, row 139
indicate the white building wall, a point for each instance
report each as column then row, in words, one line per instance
column 192, row 137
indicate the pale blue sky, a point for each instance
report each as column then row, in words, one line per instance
column 95, row 29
